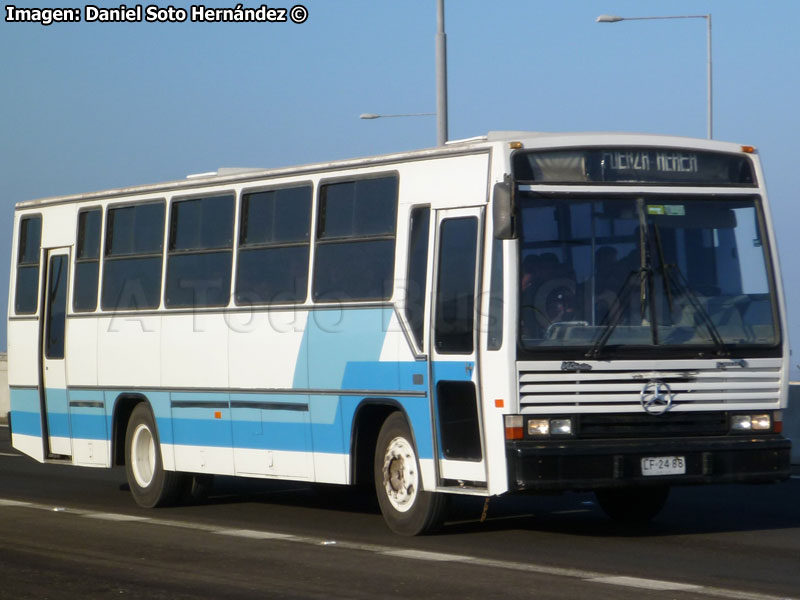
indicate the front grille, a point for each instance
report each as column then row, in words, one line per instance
column 603, row 387
column 677, row 424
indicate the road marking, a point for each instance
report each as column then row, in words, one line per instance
column 412, row 554
column 10, row 454
column 4, row 502
column 646, row 584
column 431, row 556
column 114, row 517
column 255, row 535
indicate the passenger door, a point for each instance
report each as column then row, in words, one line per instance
column 53, row 338
column 454, row 348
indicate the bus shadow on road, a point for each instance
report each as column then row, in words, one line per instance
column 231, row 490
column 689, row 510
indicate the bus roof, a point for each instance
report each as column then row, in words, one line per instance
column 528, row 139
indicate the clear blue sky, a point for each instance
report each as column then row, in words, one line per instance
column 91, row 106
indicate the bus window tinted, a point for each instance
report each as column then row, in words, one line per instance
column 30, row 237
column 87, row 261
column 356, row 240
column 200, row 252
column 417, row 280
column 274, row 238
column 132, row 263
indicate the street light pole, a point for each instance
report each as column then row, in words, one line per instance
column 710, row 109
column 441, row 82
column 710, row 99
column 441, row 77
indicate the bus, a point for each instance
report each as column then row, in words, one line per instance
column 515, row 313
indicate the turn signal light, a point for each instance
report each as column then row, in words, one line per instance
column 513, row 425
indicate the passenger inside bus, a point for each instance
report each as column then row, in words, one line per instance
column 548, row 290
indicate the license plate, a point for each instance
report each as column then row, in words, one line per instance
column 663, row 465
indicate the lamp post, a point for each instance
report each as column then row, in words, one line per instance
column 441, row 82
column 441, row 76
column 616, row 19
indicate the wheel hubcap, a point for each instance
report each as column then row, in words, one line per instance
column 400, row 477
column 143, row 455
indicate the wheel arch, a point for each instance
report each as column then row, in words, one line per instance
column 123, row 407
column 368, row 418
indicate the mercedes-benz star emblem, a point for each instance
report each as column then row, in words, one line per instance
column 656, row 398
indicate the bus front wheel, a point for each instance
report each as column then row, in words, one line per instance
column 150, row 484
column 407, row 509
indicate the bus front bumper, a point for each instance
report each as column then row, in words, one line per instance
column 581, row 465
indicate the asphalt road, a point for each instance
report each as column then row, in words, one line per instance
column 68, row 532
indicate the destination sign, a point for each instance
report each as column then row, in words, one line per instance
column 633, row 165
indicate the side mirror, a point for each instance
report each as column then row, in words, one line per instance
column 504, row 210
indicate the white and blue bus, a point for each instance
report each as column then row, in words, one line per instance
column 519, row 312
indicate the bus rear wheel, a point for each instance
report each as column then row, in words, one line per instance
column 150, row 484
column 398, row 482
column 633, row 506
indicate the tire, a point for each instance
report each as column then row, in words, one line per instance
column 150, row 484
column 406, row 509
column 633, row 506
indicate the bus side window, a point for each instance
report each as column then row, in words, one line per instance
column 495, row 333
column 199, row 260
column 132, row 263
column 274, row 239
column 87, row 261
column 355, row 245
column 27, row 294
column 455, row 293
column 417, row 277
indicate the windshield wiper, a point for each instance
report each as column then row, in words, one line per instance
column 682, row 285
column 614, row 316
column 646, row 287
column 663, row 262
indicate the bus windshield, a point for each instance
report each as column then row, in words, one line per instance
column 676, row 271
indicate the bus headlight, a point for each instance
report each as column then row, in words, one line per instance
column 561, row 426
column 744, row 423
column 538, row 427
column 549, row 427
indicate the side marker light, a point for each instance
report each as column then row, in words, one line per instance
column 513, row 427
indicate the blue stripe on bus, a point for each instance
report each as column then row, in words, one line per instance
column 89, row 426
column 336, row 338
column 26, row 423
column 328, row 420
column 25, row 411
column 57, row 416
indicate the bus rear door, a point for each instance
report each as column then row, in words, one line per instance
column 53, row 368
